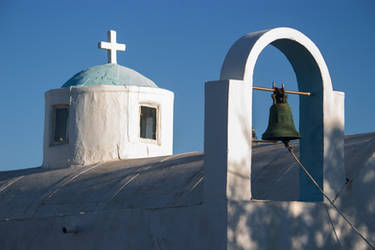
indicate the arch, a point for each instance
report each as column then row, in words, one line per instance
column 318, row 121
column 301, row 52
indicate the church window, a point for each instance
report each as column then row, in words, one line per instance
column 60, row 124
column 148, row 122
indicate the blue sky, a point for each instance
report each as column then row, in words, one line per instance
column 179, row 45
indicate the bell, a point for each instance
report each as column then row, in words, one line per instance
column 280, row 124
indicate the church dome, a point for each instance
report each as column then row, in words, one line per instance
column 109, row 74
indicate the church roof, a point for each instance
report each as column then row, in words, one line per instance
column 109, row 74
column 167, row 181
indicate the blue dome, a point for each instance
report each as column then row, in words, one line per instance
column 109, row 74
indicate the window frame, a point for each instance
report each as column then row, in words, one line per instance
column 157, row 126
column 53, row 125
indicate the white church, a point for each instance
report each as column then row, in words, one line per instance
column 109, row 179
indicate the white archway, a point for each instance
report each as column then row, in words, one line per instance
column 321, row 114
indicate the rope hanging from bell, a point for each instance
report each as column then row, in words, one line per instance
column 281, row 128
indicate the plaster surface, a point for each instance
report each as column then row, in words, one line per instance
column 158, row 203
column 104, row 124
column 227, row 141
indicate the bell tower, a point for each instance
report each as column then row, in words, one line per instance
column 228, row 109
column 228, row 126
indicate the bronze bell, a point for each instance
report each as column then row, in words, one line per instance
column 280, row 124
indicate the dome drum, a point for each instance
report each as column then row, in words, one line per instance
column 89, row 124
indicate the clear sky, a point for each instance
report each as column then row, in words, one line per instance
column 179, row 45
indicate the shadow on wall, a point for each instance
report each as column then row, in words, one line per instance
column 275, row 220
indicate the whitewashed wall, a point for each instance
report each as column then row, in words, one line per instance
column 104, row 124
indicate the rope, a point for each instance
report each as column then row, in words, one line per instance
column 333, row 228
column 290, row 149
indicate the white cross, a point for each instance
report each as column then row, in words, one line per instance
column 112, row 47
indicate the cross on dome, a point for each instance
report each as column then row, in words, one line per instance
column 112, row 47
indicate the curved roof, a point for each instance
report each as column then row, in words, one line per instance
column 166, row 181
column 137, row 183
column 109, row 74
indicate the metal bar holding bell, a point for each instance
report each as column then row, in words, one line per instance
column 285, row 91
